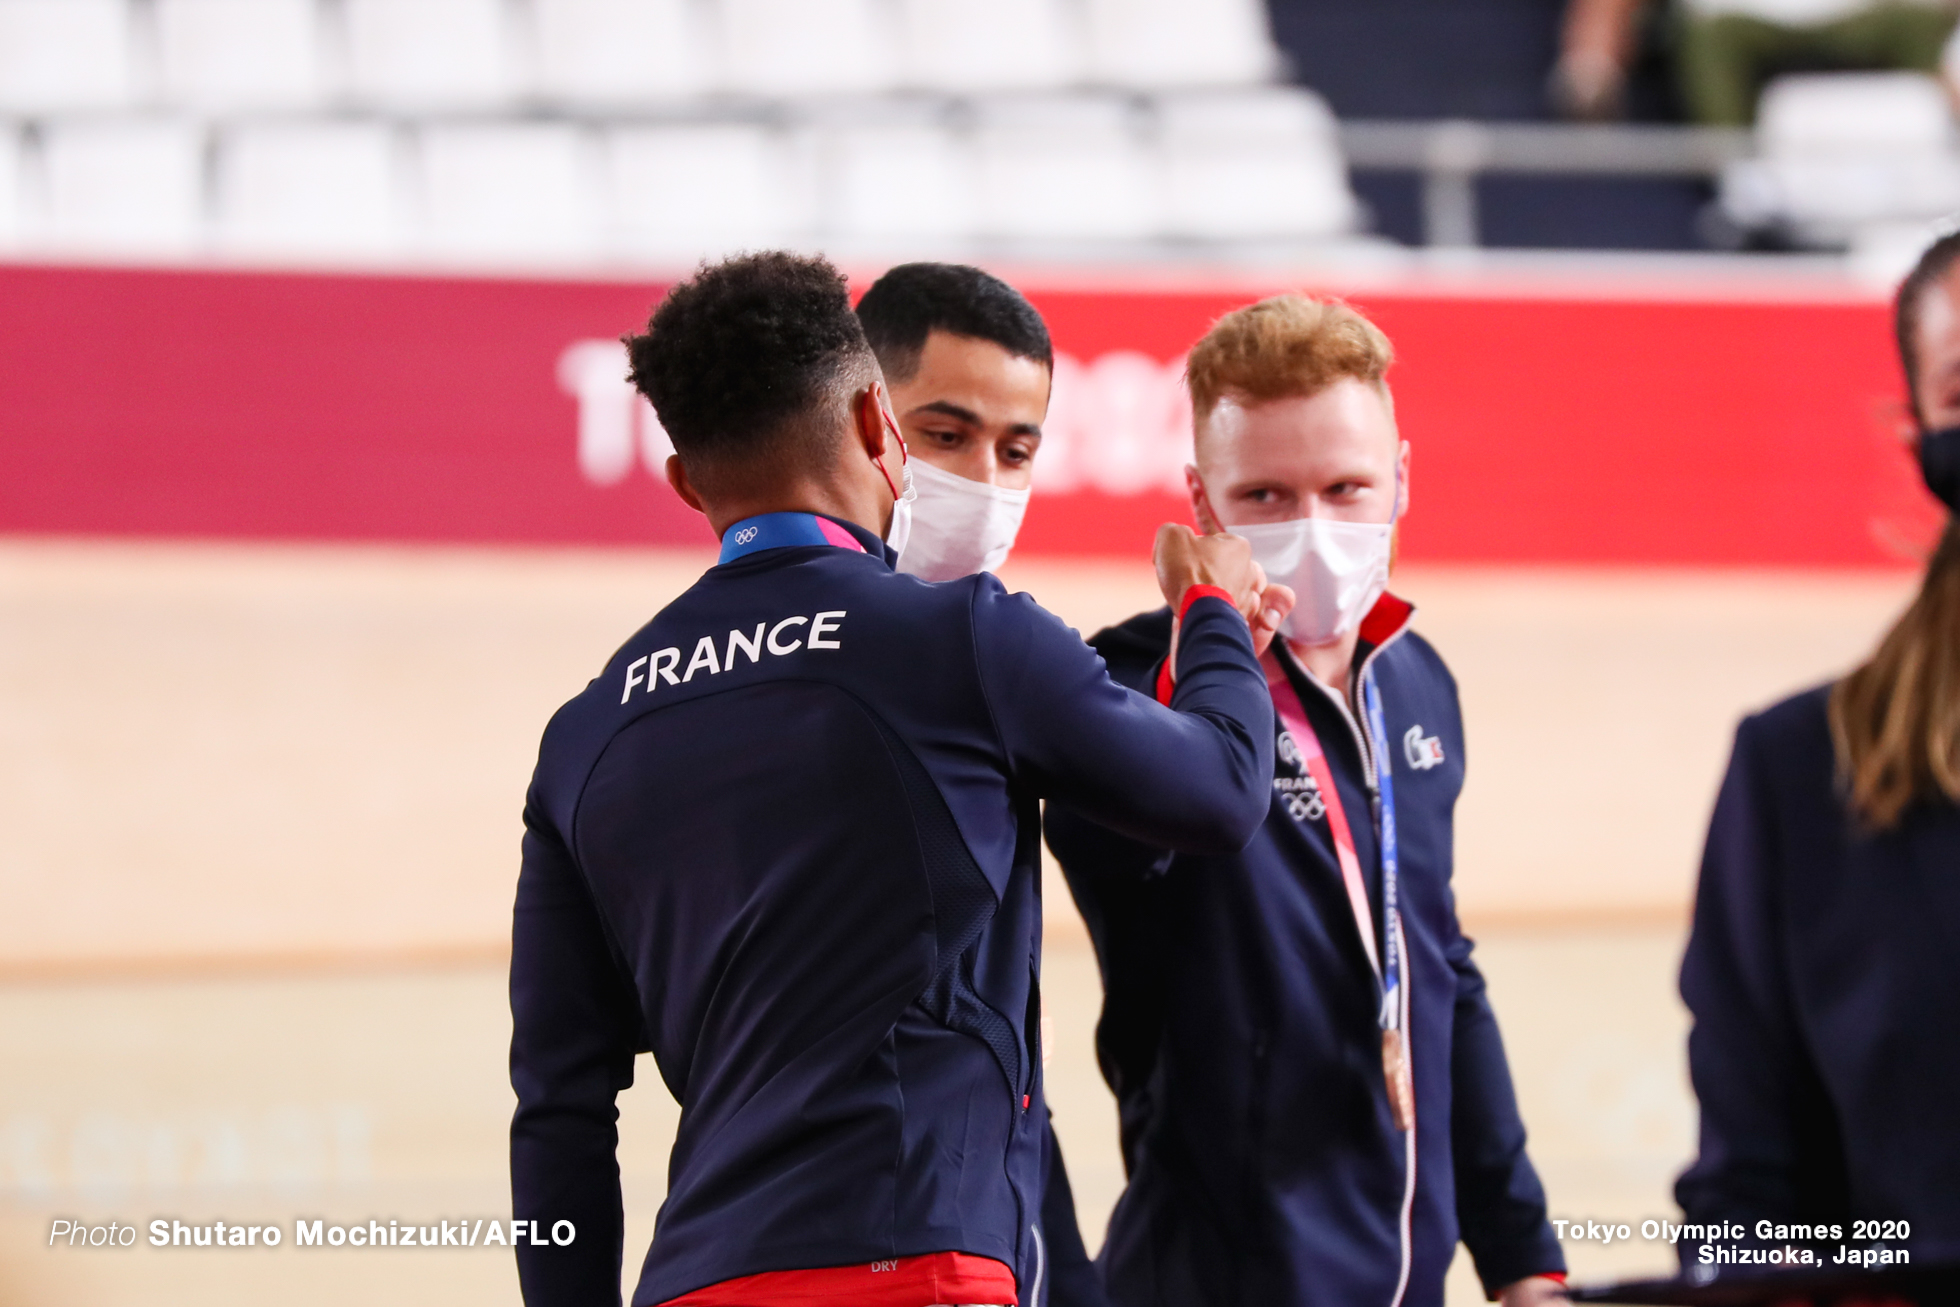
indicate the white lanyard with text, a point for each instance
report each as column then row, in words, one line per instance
column 1387, row 965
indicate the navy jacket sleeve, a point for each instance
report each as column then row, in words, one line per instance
column 576, row 1027
column 1500, row 1204
column 1193, row 777
column 1770, row 1142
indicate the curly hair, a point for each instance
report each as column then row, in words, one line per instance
column 751, row 361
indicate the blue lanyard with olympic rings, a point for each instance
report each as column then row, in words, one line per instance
column 1391, row 1013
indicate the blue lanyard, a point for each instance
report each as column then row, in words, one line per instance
column 780, row 531
column 1391, row 1013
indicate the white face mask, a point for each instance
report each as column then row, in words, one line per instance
column 961, row 526
column 1335, row 569
column 900, row 530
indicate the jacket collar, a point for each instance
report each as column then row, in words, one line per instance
column 765, row 531
column 1384, row 625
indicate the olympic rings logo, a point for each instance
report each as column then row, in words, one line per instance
column 747, row 534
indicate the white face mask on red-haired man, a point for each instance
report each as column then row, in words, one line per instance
column 1317, row 483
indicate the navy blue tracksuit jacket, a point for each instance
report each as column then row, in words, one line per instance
column 1824, row 978
column 789, row 842
column 1238, row 1030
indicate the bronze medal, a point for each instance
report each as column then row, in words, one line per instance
column 1395, row 1075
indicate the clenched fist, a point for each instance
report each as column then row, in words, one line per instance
column 1185, row 558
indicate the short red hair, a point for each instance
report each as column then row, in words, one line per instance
column 1283, row 347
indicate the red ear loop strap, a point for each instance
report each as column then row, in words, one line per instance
column 904, row 454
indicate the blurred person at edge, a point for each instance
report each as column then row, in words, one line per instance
column 1821, row 969
column 969, row 364
column 805, row 872
column 1314, row 1098
column 1726, row 51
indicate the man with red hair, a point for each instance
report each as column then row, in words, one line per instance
column 1314, row 1098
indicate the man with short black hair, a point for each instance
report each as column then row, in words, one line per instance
column 788, row 841
column 910, row 302
column 969, row 365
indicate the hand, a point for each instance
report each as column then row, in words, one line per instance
column 1532, row 1291
column 1588, row 86
column 1597, row 46
column 1185, row 558
column 1275, row 602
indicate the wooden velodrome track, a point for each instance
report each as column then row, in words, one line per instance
column 261, row 813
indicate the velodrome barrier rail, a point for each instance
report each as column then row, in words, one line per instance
column 1452, row 153
column 1629, row 425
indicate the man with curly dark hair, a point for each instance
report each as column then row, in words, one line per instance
column 788, row 841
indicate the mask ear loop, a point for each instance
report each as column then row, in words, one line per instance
column 905, row 455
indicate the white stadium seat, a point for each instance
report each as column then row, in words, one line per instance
column 522, row 192
column 902, row 182
column 1169, row 43
column 1843, row 151
column 455, row 165
column 958, row 45
column 428, row 53
column 1252, row 165
column 682, row 193
column 226, row 53
column 618, row 51
column 64, row 54
column 125, row 188
column 310, row 190
column 1064, row 169
column 1828, row 113
column 781, row 48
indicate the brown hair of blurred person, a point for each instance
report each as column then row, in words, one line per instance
column 1285, row 346
column 1896, row 720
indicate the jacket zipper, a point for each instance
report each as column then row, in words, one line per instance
column 1361, row 739
column 1368, row 765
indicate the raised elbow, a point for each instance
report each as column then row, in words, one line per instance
column 1236, row 827
column 1234, row 805
column 1228, row 819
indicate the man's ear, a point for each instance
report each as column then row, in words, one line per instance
column 1200, row 503
column 868, row 420
column 1402, row 467
column 677, row 478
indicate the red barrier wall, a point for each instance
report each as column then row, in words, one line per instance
column 224, row 404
